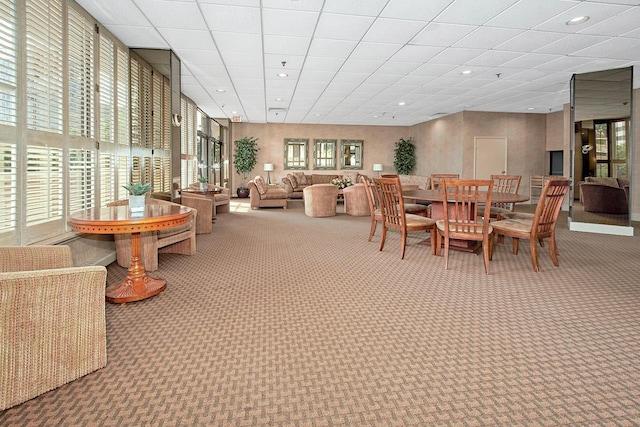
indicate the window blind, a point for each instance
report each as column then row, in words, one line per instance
column 8, row 71
column 80, row 72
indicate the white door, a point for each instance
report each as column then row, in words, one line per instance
column 490, row 156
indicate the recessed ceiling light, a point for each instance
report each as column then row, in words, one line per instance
column 531, row 108
column 465, row 72
column 234, row 112
column 220, row 90
column 401, row 103
column 278, row 99
column 283, row 75
column 577, row 20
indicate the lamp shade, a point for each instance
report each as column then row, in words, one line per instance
column 377, row 167
column 268, row 167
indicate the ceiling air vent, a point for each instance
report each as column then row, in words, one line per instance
column 277, row 110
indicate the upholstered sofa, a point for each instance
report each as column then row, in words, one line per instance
column 176, row 240
column 52, row 317
column 415, row 182
column 605, row 195
column 295, row 182
column 262, row 195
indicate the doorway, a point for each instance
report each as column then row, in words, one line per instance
column 490, row 156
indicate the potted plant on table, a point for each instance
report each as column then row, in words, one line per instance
column 203, row 183
column 404, row 159
column 245, row 159
column 137, row 194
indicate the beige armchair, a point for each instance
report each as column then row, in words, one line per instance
column 52, row 321
column 176, row 240
column 220, row 200
column 204, row 206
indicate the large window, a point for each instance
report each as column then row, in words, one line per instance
column 611, row 148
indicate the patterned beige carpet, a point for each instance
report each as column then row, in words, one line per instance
column 284, row 320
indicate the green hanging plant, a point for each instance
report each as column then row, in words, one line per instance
column 404, row 159
column 245, row 157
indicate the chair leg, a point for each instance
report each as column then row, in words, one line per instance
column 486, row 250
column 516, row 242
column 434, row 240
column 438, row 243
column 533, row 245
column 446, row 253
column 403, row 243
column 383, row 238
column 372, row 231
column 553, row 249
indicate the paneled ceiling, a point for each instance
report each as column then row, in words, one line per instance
column 377, row 62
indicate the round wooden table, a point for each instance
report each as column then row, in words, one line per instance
column 138, row 284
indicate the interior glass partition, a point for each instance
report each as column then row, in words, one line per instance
column 601, row 106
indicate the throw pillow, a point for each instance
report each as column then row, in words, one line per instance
column 294, row 182
column 353, row 176
column 260, row 184
column 301, row 178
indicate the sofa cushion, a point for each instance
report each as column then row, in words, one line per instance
column 353, row 176
column 293, row 180
column 301, row 178
column 601, row 180
column 260, row 184
column 167, row 232
column 322, row 178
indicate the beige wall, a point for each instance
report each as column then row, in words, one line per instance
column 443, row 145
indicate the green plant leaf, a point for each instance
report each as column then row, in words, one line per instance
column 404, row 159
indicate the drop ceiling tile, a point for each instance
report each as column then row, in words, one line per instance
column 571, row 44
column 487, row 38
column 316, row 63
column 531, row 60
column 530, row 41
column 472, row 12
column 200, row 57
column 456, row 55
column 331, row 48
column 415, row 9
column 360, row 66
column 237, row 42
column 115, row 12
column 188, row 39
column 413, row 53
column 342, row 27
column 393, row 31
column 240, row 59
column 618, row 25
column 398, row 68
column 433, row 70
column 172, row 14
column 236, row 19
column 146, row 37
column 291, row 61
column 525, row 14
column 618, row 48
column 289, row 22
column 596, row 12
column 307, row 5
column 494, row 58
column 283, row 45
column 381, row 51
column 354, row 7
column 439, row 34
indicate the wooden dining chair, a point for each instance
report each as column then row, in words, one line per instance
column 463, row 219
column 394, row 216
column 374, row 206
column 542, row 225
column 504, row 184
column 437, row 178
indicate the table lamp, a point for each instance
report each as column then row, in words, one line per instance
column 377, row 167
column 268, row 167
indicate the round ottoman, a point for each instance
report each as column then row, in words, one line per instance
column 320, row 200
column 355, row 200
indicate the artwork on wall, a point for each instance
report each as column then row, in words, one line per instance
column 351, row 153
column 295, row 153
column 324, row 153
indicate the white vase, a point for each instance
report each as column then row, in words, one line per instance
column 203, row 186
column 136, row 203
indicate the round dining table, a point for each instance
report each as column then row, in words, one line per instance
column 138, row 284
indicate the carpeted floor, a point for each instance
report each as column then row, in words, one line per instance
column 284, row 320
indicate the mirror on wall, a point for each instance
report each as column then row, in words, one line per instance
column 351, row 154
column 601, row 151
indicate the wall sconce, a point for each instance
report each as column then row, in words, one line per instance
column 268, row 167
column 377, row 167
